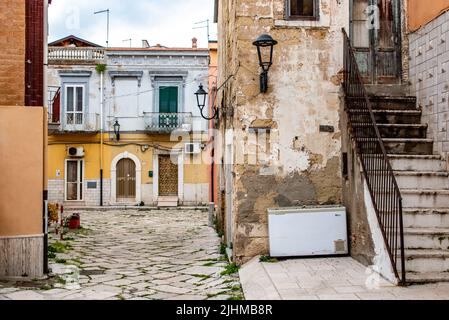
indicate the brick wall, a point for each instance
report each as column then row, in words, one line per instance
column 12, row 53
column 429, row 75
column 34, row 71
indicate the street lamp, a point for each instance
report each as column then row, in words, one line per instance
column 265, row 44
column 201, row 96
column 117, row 130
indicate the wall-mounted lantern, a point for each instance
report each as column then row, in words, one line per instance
column 201, row 96
column 265, row 44
column 117, row 130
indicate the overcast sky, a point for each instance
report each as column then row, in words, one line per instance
column 169, row 23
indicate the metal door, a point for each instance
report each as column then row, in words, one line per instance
column 376, row 37
column 126, row 179
column 168, row 176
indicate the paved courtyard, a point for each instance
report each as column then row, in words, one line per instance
column 132, row 254
column 327, row 279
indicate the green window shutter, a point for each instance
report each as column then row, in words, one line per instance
column 168, row 99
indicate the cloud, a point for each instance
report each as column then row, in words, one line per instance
column 169, row 23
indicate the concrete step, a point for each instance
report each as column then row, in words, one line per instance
column 435, row 199
column 392, row 116
column 424, row 261
column 417, row 131
column 426, row 238
column 167, row 202
column 400, row 90
column 427, row 277
column 422, row 180
column 432, row 163
column 409, row 146
column 426, row 218
column 393, row 103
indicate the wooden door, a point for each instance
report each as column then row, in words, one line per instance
column 168, row 176
column 126, row 180
column 376, row 37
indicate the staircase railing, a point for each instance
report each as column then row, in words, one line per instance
column 377, row 170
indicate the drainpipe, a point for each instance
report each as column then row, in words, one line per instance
column 45, row 143
column 101, row 134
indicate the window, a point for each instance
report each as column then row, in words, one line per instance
column 74, row 105
column 303, row 9
column 74, row 180
column 168, row 99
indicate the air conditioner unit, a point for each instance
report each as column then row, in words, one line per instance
column 192, row 148
column 75, row 152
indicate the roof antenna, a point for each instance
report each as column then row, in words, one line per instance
column 205, row 25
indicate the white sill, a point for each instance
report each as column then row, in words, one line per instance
column 321, row 23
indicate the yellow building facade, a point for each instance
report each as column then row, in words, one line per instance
column 144, row 143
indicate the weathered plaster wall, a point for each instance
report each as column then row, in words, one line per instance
column 303, row 94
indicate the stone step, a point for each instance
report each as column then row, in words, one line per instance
column 432, row 163
column 393, row 103
column 427, row 277
column 425, row 199
column 422, row 180
column 418, row 131
column 426, row 238
column 392, row 116
column 409, row 146
column 167, row 202
column 426, row 218
column 424, row 261
column 399, row 90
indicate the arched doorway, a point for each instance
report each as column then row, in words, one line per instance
column 126, row 181
column 124, row 188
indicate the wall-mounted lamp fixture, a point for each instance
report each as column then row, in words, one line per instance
column 201, row 96
column 117, row 130
column 265, row 44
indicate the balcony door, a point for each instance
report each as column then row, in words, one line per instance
column 74, row 107
column 376, row 37
column 74, row 180
column 168, row 107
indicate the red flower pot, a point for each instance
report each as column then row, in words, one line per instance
column 75, row 222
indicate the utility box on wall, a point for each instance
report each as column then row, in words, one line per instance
column 308, row 231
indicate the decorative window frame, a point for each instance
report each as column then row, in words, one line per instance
column 168, row 78
column 126, row 74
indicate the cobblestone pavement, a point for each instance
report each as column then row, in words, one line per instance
column 129, row 255
column 327, row 279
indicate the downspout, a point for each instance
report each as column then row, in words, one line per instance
column 101, row 135
column 45, row 137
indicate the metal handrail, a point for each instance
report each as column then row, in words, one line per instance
column 377, row 170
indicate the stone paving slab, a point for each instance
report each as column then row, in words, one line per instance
column 327, row 279
column 131, row 254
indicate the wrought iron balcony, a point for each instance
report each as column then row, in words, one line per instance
column 156, row 122
column 74, row 122
column 78, row 54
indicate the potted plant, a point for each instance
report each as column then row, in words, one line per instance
column 75, row 221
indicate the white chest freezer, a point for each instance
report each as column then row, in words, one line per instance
column 308, row 231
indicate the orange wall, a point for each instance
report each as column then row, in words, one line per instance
column 21, row 170
column 12, row 52
column 421, row 12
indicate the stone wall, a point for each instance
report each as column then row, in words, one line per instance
column 429, row 69
column 304, row 166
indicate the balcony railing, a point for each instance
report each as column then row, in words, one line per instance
column 78, row 122
column 86, row 54
column 167, row 122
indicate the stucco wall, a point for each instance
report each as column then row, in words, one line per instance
column 304, row 86
column 12, row 54
column 421, row 12
column 21, row 171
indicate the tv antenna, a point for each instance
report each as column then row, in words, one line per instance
column 204, row 25
column 130, row 41
column 107, row 28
